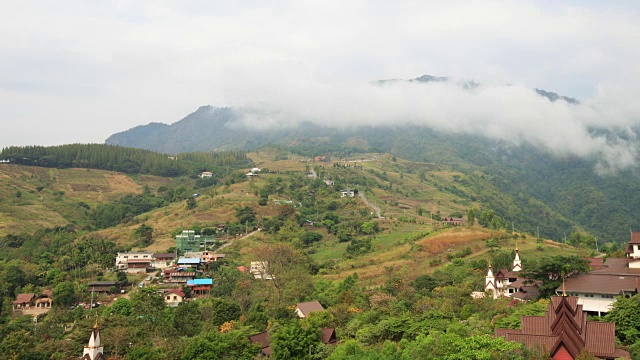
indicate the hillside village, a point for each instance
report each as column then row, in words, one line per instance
column 313, row 257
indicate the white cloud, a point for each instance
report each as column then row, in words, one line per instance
column 77, row 71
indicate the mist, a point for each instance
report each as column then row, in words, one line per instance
column 599, row 128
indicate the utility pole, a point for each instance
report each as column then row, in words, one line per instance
column 597, row 244
column 538, row 231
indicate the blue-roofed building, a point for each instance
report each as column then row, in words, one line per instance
column 200, row 286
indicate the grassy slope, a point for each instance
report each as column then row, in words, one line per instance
column 398, row 246
column 50, row 207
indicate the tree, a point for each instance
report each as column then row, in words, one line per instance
column 64, row 294
column 625, row 312
column 471, row 216
column 551, row 271
column 186, row 319
column 191, row 203
column 225, row 346
column 246, row 215
column 294, row 341
column 147, row 304
column 143, row 234
column 287, row 269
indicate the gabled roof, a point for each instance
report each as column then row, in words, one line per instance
column 564, row 329
column 635, row 238
column 174, row 291
column 308, row 307
column 600, row 284
column 264, row 340
column 243, row 268
column 24, row 299
column 329, row 336
column 189, row 261
column 165, row 256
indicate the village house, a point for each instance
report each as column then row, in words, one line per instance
column 451, row 221
column 23, row 302
column 259, row 270
column 209, row 256
column 173, row 297
column 304, row 309
column 564, row 332
column 94, row 350
column 189, row 262
column 163, row 261
column 328, row 337
column 633, row 248
column 597, row 289
column 134, row 262
column 200, row 286
column 176, row 276
column 347, row 193
column 206, row 175
column 105, row 287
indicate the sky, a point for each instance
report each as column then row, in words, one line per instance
column 79, row 71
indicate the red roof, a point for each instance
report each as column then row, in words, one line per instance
column 24, row 299
column 635, row 238
column 242, row 268
column 174, row 291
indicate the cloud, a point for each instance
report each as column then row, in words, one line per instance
column 600, row 127
column 78, row 71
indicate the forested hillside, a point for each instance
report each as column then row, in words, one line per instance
column 602, row 204
column 122, row 159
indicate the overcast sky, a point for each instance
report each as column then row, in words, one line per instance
column 78, row 71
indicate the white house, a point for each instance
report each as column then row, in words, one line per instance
column 633, row 249
column 329, row 182
column 347, row 193
column 509, row 283
column 304, row 309
column 255, row 170
column 260, row 270
column 206, row 174
column 134, row 262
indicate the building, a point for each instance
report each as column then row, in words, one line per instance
column 200, row 286
column 565, row 332
column 210, row 256
column 94, row 350
column 329, row 182
column 189, row 241
column 597, row 289
column 453, row 221
column 189, row 262
column 347, row 193
column 134, row 262
column 102, row 286
column 163, row 261
column 264, row 339
column 259, row 270
column 304, row 309
column 206, row 175
column 509, row 283
column 177, row 276
column 633, row 248
column 23, row 302
column 173, row 297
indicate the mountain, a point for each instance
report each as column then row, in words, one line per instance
column 573, row 194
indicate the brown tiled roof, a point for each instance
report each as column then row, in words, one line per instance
column 164, row 256
column 48, row 293
column 307, row 307
column 263, row 339
column 565, row 327
column 600, row 284
column 24, row 298
column 329, row 336
column 596, row 263
column 635, row 238
column 138, row 261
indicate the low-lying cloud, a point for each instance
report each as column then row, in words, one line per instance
column 512, row 113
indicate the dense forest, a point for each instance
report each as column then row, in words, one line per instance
column 122, row 159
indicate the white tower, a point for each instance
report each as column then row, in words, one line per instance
column 490, row 283
column 517, row 264
column 93, row 351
